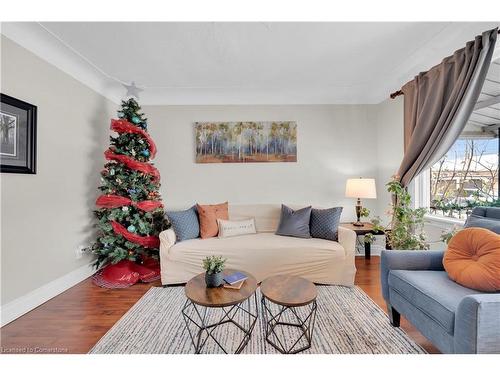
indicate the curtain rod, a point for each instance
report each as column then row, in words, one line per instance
column 395, row 94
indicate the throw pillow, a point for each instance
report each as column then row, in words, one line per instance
column 325, row 223
column 483, row 222
column 185, row 224
column 294, row 223
column 208, row 215
column 230, row 228
column 473, row 259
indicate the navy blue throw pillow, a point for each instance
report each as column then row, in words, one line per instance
column 294, row 223
column 325, row 223
column 185, row 224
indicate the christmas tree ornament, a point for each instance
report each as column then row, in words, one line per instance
column 128, row 182
column 145, row 153
column 133, row 90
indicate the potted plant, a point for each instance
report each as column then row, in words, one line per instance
column 407, row 224
column 214, row 265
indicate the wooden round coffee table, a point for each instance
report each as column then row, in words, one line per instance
column 289, row 301
column 201, row 303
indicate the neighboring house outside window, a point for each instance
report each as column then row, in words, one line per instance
column 466, row 177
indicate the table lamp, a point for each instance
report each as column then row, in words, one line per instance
column 360, row 188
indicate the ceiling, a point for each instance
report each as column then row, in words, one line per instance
column 486, row 115
column 247, row 63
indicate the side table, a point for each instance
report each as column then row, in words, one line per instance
column 201, row 303
column 361, row 231
column 297, row 296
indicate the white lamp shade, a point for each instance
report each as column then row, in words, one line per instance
column 361, row 188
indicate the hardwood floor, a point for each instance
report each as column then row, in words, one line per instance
column 76, row 319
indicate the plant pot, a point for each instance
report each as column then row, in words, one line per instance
column 214, row 280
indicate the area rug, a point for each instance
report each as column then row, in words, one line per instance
column 347, row 322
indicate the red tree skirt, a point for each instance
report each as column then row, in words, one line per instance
column 127, row 273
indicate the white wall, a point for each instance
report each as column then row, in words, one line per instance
column 389, row 137
column 44, row 217
column 334, row 143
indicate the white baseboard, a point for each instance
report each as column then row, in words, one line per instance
column 20, row 306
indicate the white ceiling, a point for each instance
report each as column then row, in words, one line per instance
column 245, row 63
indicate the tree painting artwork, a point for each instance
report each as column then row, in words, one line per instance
column 8, row 134
column 246, row 142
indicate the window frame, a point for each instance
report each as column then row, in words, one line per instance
column 420, row 190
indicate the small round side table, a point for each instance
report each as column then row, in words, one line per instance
column 201, row 303
column 289, row 293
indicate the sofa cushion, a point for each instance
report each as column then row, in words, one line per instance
column 473, row 259
column 208, row 215
column 231, row 228
column 325, row 223
column 185, row 223
column 294, row 223
column 432, row 292
column 476, row 221
column 263, row 255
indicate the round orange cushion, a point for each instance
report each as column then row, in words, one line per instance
column 473, row 259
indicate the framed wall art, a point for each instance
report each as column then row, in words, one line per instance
column 246, row 142
column 17, row 136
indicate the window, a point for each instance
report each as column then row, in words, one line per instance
column 467, row 176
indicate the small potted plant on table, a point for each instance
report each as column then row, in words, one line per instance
column 214, row 265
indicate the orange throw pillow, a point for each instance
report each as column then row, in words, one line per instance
column 208, row 215
column 473, row 259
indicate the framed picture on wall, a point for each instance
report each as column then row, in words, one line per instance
column 17, row 136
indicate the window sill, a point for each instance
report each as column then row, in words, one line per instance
column 444, row 220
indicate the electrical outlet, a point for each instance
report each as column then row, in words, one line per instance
column 79, row 251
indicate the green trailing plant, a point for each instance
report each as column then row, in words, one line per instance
column 377, row 227
column 446, row 236
column 407, row 224
column 365, row 212
column 369, row 238
column 214, row 264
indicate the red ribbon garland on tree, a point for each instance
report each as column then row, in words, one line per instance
column 114, row 201
column 152, row 242
column 133, row 164
column 123, row 126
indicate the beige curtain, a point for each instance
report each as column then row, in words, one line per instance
column 439, row 102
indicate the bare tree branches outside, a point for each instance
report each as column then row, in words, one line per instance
column 466, row 177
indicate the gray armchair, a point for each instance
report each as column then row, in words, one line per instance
column 454, row 318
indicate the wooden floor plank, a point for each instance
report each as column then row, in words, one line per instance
column 75, row 320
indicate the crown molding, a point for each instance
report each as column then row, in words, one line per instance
column 40, row 41
column 36, row 39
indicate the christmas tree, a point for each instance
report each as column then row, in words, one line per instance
column 129, row 211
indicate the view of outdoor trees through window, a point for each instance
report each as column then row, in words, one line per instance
column 466, row 177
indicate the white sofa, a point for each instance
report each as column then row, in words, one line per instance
column 263, row 254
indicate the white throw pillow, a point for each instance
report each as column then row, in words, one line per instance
column 230, row 228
